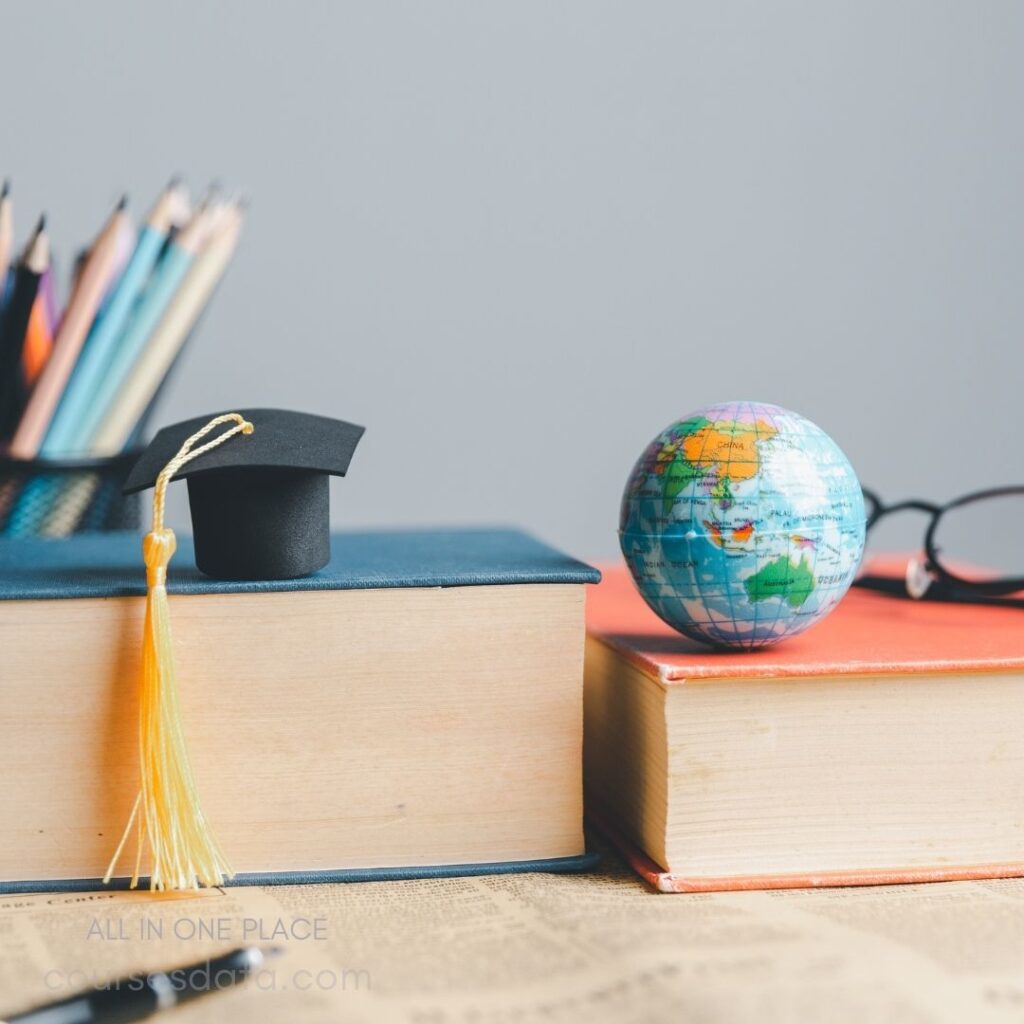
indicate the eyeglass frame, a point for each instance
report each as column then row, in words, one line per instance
column 996, row 587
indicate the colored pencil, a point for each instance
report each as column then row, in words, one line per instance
column 85, row 389
column 31, row 266
column 138, row 388
column 123, row 249
column 38, row 339
column 159, row 294
column 71, row 335
column 6, row 237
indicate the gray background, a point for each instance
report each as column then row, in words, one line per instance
column 516, row 239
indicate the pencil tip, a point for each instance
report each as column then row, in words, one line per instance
column 122, row 202
column 40, row 224
column 5, row 189
column 175, row 182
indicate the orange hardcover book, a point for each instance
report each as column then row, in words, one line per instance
column 881, row 746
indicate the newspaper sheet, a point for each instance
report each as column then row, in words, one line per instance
column 545, row 949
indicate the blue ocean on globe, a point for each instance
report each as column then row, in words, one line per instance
column 742, row 524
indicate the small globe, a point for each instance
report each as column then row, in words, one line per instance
column 742, row 524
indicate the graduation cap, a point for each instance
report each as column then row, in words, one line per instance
column 260, row 505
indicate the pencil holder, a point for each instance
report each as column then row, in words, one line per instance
column 59, row 497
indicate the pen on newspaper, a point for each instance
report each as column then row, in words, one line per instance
column 137, row 996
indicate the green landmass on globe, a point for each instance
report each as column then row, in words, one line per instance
column 782, row 578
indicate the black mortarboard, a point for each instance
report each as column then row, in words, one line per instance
column 260, row 503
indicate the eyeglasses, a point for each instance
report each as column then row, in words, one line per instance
column 973, row 548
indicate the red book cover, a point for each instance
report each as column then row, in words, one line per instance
column 867, row 633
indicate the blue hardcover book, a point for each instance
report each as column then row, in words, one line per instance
column 413, row 709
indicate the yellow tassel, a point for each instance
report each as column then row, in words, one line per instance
column 167, row 815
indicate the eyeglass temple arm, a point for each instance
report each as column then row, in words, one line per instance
column 893, row 586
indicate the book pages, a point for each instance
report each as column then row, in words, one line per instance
column 545, row 948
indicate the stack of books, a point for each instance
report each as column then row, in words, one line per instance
column 420, row 706
column 884, row 745
column 414, row 708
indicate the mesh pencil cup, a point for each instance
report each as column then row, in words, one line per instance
column 60, row 497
